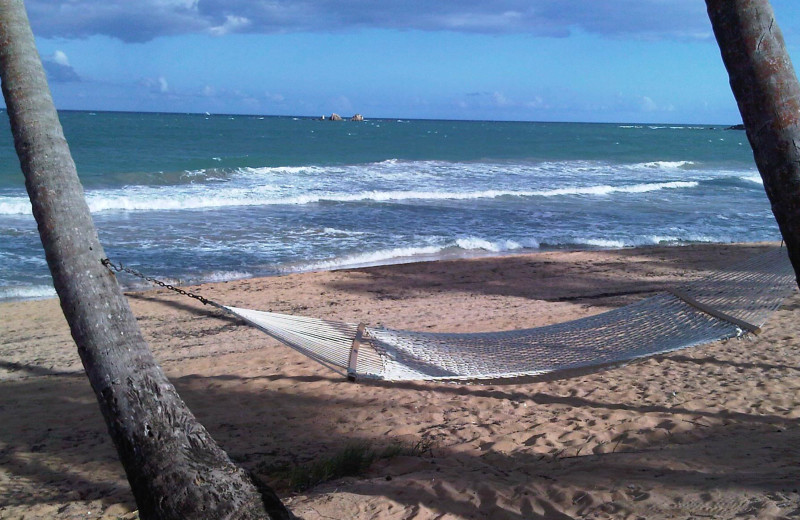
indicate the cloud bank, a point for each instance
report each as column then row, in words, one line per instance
column 58, row 69
column 145, row 20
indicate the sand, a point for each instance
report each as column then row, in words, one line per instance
column 707, row 432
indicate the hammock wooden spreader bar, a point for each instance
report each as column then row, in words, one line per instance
column 749, row 327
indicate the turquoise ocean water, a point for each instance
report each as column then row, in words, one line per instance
column 193, row 197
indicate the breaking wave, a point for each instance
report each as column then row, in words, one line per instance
column 459, row 247
column 164, row 199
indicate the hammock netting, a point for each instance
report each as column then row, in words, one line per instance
column 724, row 305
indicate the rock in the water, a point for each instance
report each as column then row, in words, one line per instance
column 335, row 117
column 357, row 117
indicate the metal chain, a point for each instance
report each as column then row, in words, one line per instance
column 111, row 266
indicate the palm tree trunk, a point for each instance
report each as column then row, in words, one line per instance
column 766, row 89
column 174, row 467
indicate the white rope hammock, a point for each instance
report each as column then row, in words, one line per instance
column 725, row 305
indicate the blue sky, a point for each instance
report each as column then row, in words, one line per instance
column 542, row 60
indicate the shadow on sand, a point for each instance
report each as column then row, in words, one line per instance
column 63, row 448
column 56, row 450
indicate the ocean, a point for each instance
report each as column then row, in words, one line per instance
column 198, row 197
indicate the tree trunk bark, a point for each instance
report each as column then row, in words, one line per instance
column 766, row 89
column 174, row 467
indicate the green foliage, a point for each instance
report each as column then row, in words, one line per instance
column 352, row 460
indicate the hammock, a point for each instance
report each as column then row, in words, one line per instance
column 725, row 305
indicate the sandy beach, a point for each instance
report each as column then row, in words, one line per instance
column 706, row 432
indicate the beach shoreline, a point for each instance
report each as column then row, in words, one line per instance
column 650, row 439
column 131, row 284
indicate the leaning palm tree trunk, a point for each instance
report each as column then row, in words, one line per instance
column 766, row 89
column 174, row 467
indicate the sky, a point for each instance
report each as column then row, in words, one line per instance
column 533, row 60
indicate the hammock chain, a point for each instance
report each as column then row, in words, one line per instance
column 111, row 266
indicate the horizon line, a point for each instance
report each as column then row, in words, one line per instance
column 346, row 119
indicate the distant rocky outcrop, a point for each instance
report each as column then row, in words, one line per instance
column 735, row 127
column 357, row 117
column 335, row 117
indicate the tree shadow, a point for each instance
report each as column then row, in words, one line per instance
column 53, row 435
column 677, row 358
column 35, row 370
column 613, row 279
column 545, row 399
column 204, row 311
column 58, row 440
column 534, row 483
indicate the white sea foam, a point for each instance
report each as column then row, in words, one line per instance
column 659, row 239
column 637, row 241
column 607, row 190
column 286, row 170
column 190, row 197
column 225, row 276
column 665, row 164
column 601, row 242
column 32, row 292
column 15, row 206
column 417, row 173
column 383, row 256
column 753, row 178
column 498, row 246
column 400, row 255
column 695, row 237
column 342, row 232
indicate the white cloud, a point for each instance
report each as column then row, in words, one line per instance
column 58, row 68
column 500, row 99
column 536, row 102
column 494, row 99
column 181, row 4
column 648, row 105
column 232, row 24
column 481, row 21
column 163, row 86
column 60, row 58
